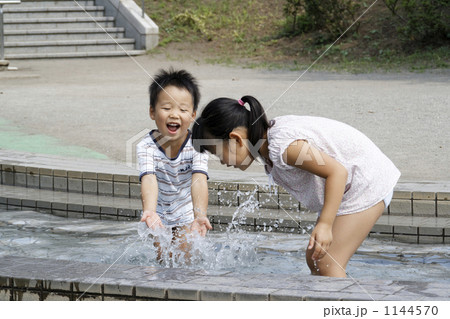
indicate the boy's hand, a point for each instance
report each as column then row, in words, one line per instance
column 201, row 225
column 152, row 220
column 321, row 238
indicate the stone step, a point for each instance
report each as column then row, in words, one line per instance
column 19, row 12
column 52, row 35
column 54, row 23
column 57, row 29
column 63, row 46
column 66, row 55
column 69, row 204
column 413, row 229
column 54, row 3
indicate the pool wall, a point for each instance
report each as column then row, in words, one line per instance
column 23, row 278
column 404, row 203
column 413, row 216
column 101, row 190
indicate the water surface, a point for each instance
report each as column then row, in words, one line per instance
column 31, row 234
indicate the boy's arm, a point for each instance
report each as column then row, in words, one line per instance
column 199, row 191
column 149, row 196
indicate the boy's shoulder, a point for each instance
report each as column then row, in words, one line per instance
column 146, row 142
column 188, row 152
column 186, row 148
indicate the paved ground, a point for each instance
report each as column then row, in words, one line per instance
column 91, row 107
column 48, row 279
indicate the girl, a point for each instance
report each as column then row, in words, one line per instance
column 328, row 166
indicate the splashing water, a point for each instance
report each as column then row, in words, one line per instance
column 40, row 235
column 237, row 249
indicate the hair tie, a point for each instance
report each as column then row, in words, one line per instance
column 241, row 102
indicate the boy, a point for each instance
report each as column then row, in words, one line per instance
column 173, row 175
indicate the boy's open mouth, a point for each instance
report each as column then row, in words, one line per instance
column 172, row 127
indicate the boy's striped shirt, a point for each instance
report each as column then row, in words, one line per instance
column 174, row 176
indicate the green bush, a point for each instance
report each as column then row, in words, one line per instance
column 422, row 20
column 193, row 21
column 332, row 17
column 291, row 10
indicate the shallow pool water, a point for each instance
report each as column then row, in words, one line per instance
column 32, row 234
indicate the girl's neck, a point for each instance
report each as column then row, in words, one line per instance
column 264, row 149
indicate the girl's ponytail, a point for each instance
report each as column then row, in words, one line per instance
column 257, row 122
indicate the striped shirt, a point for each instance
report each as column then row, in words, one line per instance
column 174, row 176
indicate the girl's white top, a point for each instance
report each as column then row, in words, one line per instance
column 371, row 175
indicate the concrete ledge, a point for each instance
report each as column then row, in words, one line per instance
column 129, row 15
column 108, row 178
column 22, row 21
column 121, row 181
column 23, row 278
column 66, row 55
column 76, row 205
column 59, row 3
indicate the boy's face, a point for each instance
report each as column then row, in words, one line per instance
column 173, row 112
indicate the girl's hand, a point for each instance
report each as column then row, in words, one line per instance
column 320, row 240
column 152, row 220
column 201, row 225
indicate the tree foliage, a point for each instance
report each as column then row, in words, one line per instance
column 332, row 17
column 422, row 20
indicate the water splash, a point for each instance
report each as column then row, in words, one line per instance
column 237, row 249
column 249, row 206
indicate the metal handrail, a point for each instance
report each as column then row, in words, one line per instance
column 2, row 33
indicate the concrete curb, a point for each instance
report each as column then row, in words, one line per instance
column 405, row 203
column 417, row 230
column 47, row 279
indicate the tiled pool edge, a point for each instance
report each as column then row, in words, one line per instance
column 23, row 278
column 45, row 279
column 418, row 230
column 404, row 203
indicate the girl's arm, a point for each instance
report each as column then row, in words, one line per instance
column 302, row 155
column 199, row 190
column 149, row 196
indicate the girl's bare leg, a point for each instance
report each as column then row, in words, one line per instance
column 349, row 231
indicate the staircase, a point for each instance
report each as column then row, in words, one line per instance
column 63, row 29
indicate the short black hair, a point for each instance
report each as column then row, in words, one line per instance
column 178, row 78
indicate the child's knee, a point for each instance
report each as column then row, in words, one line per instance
column 311, row 263
column 330, row 268
column 325, row 266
